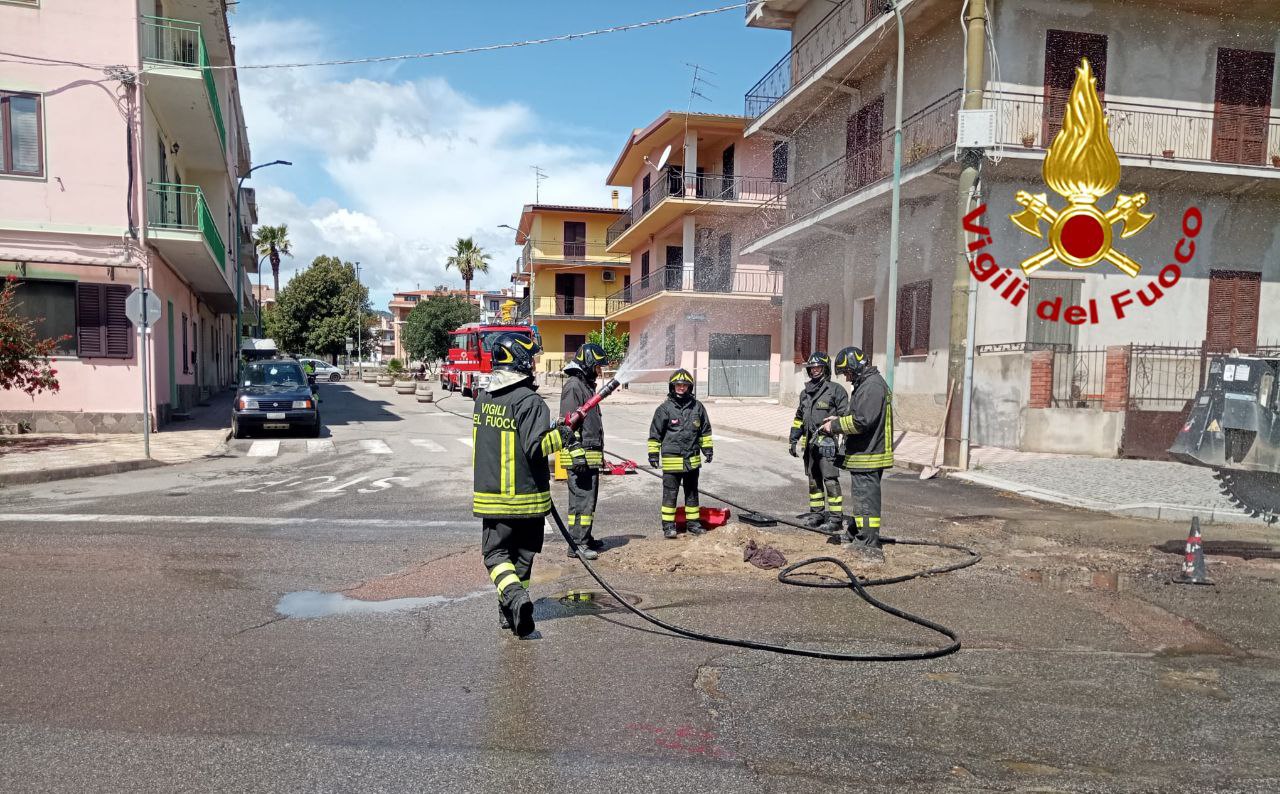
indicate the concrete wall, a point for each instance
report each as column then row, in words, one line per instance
column 1080, row 431
column 999, row 397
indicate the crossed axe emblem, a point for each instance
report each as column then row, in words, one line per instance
column 1081, row 235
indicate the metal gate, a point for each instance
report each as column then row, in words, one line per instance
column 1163, row 382
column 739, row 365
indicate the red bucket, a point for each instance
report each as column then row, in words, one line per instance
column 711, row 517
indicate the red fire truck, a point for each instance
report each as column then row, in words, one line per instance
column 469, row 364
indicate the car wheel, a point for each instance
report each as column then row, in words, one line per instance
column 236, row 432
column 335, row 377
column 314, row 430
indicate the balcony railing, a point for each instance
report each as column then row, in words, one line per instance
column 562, row 252
column 840, row 26
column 710, row 279
column 182, row 208
column 1143, row 130
column 925, row 133
column 174, row 42
column 568, row 306
column 673, row 182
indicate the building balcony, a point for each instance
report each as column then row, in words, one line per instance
column 566, row 307
column 776, row 14
column 643, row 296
column 674, row 193
column 181, row 89
column 181, row 227
column 559, row 252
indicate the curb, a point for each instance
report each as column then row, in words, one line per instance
column 73, row 472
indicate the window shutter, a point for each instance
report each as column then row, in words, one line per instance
column 924, row 305
column 117, row 328
column 797, row 341
column 1248, row 294
column 902, row 323
column 89, row 321
column 824, row 324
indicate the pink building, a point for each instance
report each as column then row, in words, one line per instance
column 119, row 176
column 692, row 301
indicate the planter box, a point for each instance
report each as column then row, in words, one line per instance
column 385, row 380
column 424, row 393
column 405, row 386
column 369, row 376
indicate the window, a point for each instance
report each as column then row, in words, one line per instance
column 52, row 307
column 1233, row 310
column 915, row 301
column 812, row 324
column 780, row 151
column 1242, row 106
column 1046, row 331
column 20, row 135
column 185, row 347
column 1063, row 50
column 868, row 325
column 412, row 298
column 575, row 239
column 493, row 305
column 644, row 266
column 670, row 359
column 572, row 343
column 102, row 329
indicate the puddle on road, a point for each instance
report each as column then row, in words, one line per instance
column 315, row 604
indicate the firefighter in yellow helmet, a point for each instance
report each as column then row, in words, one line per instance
column 513, row 436
column 820, row 399
column 868, row 445
column 680, row 442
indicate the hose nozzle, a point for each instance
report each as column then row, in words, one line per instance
column 574, row 420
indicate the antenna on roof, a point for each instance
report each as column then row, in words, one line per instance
column 538, row 176
column 699, row 82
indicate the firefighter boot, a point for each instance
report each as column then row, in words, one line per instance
column 594, row 545
column 521, row 610
column 834, row 524
column 815, row 519
column 867, row 541
column 584, row 551
column 668, row 529
column 695, row 528
column 504, row 617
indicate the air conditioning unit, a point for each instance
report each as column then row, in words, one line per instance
column 608, row 277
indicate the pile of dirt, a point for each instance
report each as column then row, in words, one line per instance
column 720, row 551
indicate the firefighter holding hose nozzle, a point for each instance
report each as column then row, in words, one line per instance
column 513, row 437
column 583, row 455
column 821, row 399
column 868, row 446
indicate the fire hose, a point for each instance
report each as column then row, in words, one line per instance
column 788, row 575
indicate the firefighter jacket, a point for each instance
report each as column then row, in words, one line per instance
column 868, row 425
column 680, row 431
column 589, row 439
column 817, row 402
column 512, row 438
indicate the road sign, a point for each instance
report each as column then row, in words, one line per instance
column 133, row 307
column 350, row 346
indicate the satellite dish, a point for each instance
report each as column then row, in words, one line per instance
column 666, row 155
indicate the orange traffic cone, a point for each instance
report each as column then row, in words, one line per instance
column 1193, row 568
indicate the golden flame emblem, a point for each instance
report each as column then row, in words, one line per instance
column 1082, row 167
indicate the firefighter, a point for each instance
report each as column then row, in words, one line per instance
column 513, row 437
column 680, row 442
column 867, row 426
column 583, row 455
column 822, row 398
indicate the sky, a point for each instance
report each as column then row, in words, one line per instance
column 393, row 162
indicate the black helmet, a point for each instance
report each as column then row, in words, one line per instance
column 515, row 351
column 819, row 359
column 592, row 355
column 680, row 376
column 851, row 360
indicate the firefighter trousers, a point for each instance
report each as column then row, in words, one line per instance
column 508, row 546
column 824, row 483
column 584, row 492
column 672, row 482
column 864, row 503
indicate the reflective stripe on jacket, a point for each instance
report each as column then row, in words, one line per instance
column 678, row 433
column 868, row 426
column 513, row 436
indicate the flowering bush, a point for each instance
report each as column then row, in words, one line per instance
column 24, row 357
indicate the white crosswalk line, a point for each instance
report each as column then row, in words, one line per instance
column 374, row 446
column 264, row 449
column 427, row 444
column 315, row 445
column 467, row 441
column 728, row 440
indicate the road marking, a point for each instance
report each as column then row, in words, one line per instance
column 261, row 521
column 264, row 449
column 427, row 444
column 315, row 445
column 375, row 446
column 467, row 441
column 728, row 440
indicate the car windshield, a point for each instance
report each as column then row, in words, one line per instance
column 273, row 373
column 490, row 339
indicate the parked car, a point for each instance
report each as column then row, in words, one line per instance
column 324, row 370
column 274, row 394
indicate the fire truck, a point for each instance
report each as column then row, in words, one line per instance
column 470, row 361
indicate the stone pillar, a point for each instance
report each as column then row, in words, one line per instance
column 1115, row 392
column 1041, row 395
column 689, row 241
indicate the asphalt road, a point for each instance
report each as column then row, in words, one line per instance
column 145, row 642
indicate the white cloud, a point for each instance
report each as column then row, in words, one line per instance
column 415, row 164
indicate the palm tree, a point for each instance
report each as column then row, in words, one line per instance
column 469, row 259
column 273, row 241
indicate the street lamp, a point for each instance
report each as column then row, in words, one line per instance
column 239, row 272
column 532, row 305
column 359, row 329
column 895, row 211
column 261, row 259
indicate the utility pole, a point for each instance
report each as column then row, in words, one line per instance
column 955, row 453
column 359, row 330
column 895, row 210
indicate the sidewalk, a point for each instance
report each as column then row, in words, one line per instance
column 1146, row 488
column 44, row 457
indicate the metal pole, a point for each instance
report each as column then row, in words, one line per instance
column 239, row 274
column 955, row 453
column 359, row 330
column 891, row 335
column 142, row 356
column 260, row 261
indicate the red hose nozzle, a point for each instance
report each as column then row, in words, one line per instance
column 574, row 420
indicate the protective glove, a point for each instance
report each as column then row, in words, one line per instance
column 580, row 465
column 566, row 435
column 792, row 450
column 653, row 460
column 708, row 454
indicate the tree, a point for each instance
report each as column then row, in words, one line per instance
column 320, row 309
column 426, row 330
column 615, row 344
column 24, row 356
column 468, row 259
column 273, row 241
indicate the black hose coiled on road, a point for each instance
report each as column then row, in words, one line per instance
column 788, row 576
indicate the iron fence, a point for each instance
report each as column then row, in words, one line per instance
column 1021, row 347
column 1079, row 377
column 673, row 182
column 678, row 278
column 840, row 26
column 585, row 252
column 183, row 208
column 176, row 42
